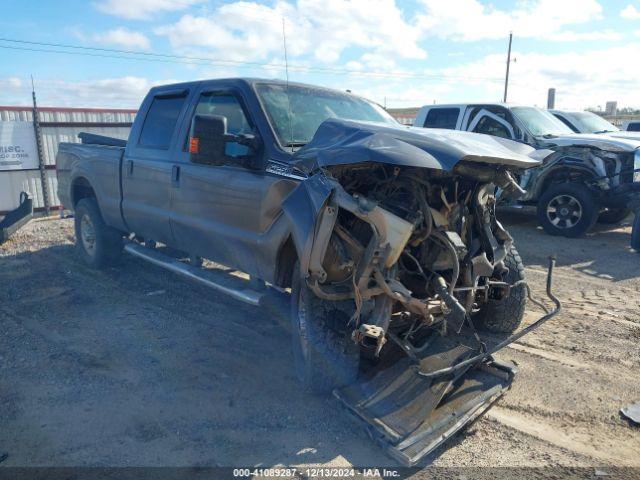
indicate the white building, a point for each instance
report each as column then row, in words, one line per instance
column 19, row 162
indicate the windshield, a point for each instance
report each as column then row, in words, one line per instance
column 310, row 107
column 588, row 122
column 539, row 122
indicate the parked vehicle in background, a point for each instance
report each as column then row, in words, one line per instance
column 584, row 178
column 631, row 126
column 386, row 235
column 589, row 122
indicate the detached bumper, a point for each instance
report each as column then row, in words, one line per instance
column 410, row 416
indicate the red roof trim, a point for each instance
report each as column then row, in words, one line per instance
column 67, row 109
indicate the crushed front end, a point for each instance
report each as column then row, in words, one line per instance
column 408, row 267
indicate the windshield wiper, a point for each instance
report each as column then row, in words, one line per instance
column 295, row 144
column 549, row 135
column 604, row 131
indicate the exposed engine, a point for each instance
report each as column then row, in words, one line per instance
column 406, row 250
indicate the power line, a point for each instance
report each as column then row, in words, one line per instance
column 182, row 59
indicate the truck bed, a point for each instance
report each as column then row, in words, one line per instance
column 98, row 166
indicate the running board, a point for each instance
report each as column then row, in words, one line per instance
column 223, row 282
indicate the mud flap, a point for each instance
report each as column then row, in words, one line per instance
column 410, row 415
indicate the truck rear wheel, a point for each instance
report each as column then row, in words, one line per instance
column 324, row 354
column 98, row 244
column 505, row 315
column 567, row 209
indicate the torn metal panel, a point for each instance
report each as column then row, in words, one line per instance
column 302, row 207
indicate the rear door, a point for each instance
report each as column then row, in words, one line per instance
column 490, row 123
column 147, row 169
column 225, row 211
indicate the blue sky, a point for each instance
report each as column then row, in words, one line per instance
column 404, row 53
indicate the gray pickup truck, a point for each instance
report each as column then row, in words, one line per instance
column 587, row 178
column 385, row 235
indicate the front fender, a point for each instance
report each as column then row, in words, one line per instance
column 302, row 208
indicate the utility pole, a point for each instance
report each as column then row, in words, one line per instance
column 41, row 165
column 506, row 78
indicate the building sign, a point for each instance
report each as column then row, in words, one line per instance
column 18, row 150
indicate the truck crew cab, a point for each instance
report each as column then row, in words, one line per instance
column 584, row 179
column 385, row 235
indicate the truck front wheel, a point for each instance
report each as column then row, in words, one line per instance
column 505, row 315
column 98, row 244
column 324, row 355
column 567, row 209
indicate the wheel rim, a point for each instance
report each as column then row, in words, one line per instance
column 88, row 235
column 564, row 211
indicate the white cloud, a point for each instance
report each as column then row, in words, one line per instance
column 12, row 82
column 470, row 20
column 118, row 92
column 141, row 9
column 122, row 37
column 630, row 12
column 570, row 36
column 251, row 31
column 581, row 79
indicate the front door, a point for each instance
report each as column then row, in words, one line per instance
column 224, row 211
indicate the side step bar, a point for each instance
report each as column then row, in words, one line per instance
column 218, row 280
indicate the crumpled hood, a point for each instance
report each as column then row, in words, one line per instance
column 624, row 134
column 345, row 142
column 597, row 140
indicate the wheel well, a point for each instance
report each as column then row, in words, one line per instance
column 81, row 189
column 565, row 175
column 287, row 257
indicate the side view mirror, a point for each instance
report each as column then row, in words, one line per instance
column 207, row 138
column 209, row 143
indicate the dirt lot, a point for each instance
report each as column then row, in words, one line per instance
column 132, row 366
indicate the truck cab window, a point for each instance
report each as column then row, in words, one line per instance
column 442, row 118
column 161, row 121
column 492, row 127
column 228, row 106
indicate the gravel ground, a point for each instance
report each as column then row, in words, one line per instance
column 132, row 366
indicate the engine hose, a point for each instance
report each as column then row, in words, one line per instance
column 487, row 354
column 426, row 211
column 456, row 261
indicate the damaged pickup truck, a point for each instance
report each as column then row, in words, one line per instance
column 386, row 236
column 584, row 179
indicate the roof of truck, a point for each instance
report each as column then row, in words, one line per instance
column 460, row 105
column 251, row 81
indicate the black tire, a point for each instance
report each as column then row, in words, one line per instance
column 613, row 216
column 569, row 198
column 505, row 315
column 98, row 244
column 635, row 233
column 324, row 355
